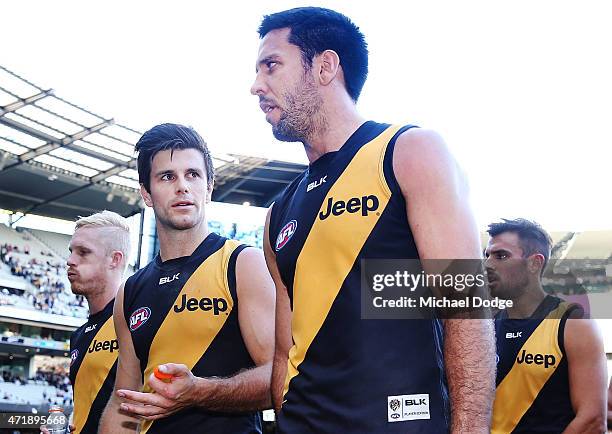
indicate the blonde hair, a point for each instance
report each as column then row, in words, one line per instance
column 118, row 231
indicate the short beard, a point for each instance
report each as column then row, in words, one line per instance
column 302, row 117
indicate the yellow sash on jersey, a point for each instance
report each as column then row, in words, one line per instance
column 92, row 373
column 185, row 336
column 321, row 270
column 521, row 386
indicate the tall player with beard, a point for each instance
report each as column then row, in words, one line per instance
column 199, row 313
column 99, row 250
column 371, row 191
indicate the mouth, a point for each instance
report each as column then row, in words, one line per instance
column 71, row 274
column 266, row 107
column 182, row 204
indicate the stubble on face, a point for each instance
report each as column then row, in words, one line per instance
column 302, row 117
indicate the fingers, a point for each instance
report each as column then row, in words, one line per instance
column 44, row 430
column 72, row 428
column 174, row 369
column 143, row 398
column 145, row 411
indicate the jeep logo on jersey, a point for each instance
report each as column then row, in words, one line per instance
column 217, row 305
column 285, row 234
column 139, row 317
column 547, row 360
column 365, row 204
column 169, row 279
column 73, row 356
column 111, row 346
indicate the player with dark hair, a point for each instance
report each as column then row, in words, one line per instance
column 195, row 323
column 551, row 371
column 371, row 191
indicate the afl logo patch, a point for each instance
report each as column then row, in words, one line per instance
column 139, row 317
column 285, row 234
column 73, row 356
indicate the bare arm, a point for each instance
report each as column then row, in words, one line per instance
column 115, row 421
column 443, row 226
column 586, row 361
column 282, row 341
column 248, row 390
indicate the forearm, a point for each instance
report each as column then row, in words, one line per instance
column 586, row 424
column 114, row 421
column 469, row 353
column 279, row 372
column 246, row 391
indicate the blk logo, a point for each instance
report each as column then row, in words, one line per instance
column 169, row 279
column 217, row 305
column 90, row 328
column 316, row 184
column 96, row 346
column 139, row 317
column 513, row 335
column 364, row 204
column 547, row 360
column 285, row 234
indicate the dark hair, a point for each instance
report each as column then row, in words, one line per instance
column 171, row 137
column 533, row 238
column 315, row 30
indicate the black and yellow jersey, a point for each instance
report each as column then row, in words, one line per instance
column 185, row 310
column 93, row 366
column 346, row 374
column 533, row 394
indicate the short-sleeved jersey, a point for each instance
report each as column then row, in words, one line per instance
column 533, row 393
column 185, row 310
column 93, row 367
column 345, row 373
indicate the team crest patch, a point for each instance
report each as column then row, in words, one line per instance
column 139, row 317
column 73, row 356
column 285, row 234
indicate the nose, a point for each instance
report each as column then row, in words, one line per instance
column 258, row 87
column 70, row 261
column 181, row 185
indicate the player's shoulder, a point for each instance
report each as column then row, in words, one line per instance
column 427, row 144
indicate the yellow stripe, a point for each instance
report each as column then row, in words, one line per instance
column 321, row 270
column 521, row 386
column 184, row 337
column 92, row 373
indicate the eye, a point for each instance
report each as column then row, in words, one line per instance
column 270, row 64
column 167, row 177
column 194, row 174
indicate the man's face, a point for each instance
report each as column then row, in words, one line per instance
column 505, row 266
column 179, row 188
column 89, row 263
column 287, row 91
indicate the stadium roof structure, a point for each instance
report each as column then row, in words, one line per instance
column 58, row 159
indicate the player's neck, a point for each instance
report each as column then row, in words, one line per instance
column 341, row 121
column 100, row 300
column 526, row 305
column 178, row 243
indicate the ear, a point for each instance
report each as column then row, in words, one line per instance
column 535, row 263
column 146, row 196
column 328, row 66
column 209, row 191
column 116, row 259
